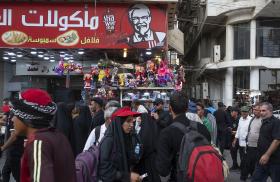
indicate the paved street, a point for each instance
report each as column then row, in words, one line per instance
column 234, row 175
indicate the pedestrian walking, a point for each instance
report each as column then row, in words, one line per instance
column 148, row 137
column 201, row 113
column 138, row 107
column 223, row 123
column 13, row 148
column 241, row 135
column 252, row 143
column 171, row 137
column 63, row 122
column 97, row 133
column 47, row 156
column 268, row 156
column 191, row 113
column 161, row 117
column 98, row 112
column 117, row 153
column 81, row 126
column 234, row 118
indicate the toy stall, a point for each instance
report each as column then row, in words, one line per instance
column 154, row 78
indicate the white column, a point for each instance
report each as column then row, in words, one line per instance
column 229, row 43
column 228, row 86
column 253, row 38
column 254, row 79
column 254, row 72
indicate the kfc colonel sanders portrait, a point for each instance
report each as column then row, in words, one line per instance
column 140, row 19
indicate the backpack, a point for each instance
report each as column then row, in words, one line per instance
column 86, row 163
column 198, row 161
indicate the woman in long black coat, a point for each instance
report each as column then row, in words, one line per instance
column 148, row 138
column 81, row 126
column 63, row 122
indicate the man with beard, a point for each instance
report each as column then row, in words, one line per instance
column 268, row 151
column 140, row 18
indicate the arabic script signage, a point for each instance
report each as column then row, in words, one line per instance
column 82, row 25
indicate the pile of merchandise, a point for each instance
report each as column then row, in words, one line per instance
column 154, row 73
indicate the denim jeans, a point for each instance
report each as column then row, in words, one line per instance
column 262, row 172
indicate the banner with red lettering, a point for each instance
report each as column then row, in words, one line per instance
column 72, row 25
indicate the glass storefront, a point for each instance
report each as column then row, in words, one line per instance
column 241, row 41
column 268, row 37
column 270, row 86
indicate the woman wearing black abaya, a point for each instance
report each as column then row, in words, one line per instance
column 81, row 123
column 63, row 123
column 116, row 149
column 148, row 136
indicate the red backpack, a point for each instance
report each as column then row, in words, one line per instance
column 198, row 160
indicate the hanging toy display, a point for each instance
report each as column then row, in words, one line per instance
column 162, row 74
column 180, row 79
column 87, row 81
column 151, row 76
column 107, row 76
column 101, row 75
column 140, row 75
column 169, row 76
column 60, row 68
column 121, row 79
column 114, row 77
column 78, row 68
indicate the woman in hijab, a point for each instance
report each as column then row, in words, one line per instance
column 63, row 122
column 117, row 152
column 81, row 124
column 148, row 136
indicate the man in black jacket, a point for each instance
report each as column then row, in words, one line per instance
column 170, row 138
column 234, row 118
column 268, row 150
column 223, row 122
column 161, row 117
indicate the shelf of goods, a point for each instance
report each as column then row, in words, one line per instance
column 145, row 94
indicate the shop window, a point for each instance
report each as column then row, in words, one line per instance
column 269, row 80
column 242, row 41
column 268, row 37
column 241, row 78
column 270, row 86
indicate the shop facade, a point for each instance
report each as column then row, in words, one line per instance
column 96, row 48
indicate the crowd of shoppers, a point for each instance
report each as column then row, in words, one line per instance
column 133, row 141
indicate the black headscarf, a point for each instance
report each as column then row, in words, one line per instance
column 81, row 126
column 62, row 120
column 148, row 136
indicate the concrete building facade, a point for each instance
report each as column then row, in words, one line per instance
column 234, row 47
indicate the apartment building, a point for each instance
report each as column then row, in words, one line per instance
column 232, row 49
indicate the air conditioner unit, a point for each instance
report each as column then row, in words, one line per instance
column 217, row 53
